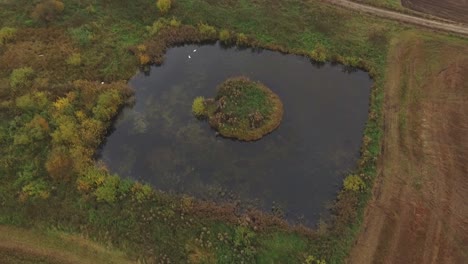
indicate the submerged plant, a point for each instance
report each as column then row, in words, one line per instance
column 198, row 106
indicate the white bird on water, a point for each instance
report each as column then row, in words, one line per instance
column 189, row 57
column 194, row 50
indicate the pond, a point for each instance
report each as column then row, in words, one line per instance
column 298, row 169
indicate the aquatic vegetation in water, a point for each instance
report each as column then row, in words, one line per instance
column 242, row 109
column 198, row 106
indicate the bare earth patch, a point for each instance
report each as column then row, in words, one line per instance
column 456, row 10
column 28, row 246
column 419, row 213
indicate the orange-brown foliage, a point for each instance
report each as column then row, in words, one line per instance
column 47, row 10
column 59, row 165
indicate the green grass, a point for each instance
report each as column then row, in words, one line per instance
column 281, row 248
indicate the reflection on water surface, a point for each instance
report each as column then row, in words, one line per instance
column 299, row 167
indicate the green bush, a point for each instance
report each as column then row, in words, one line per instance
column 319, row 53
column 6, row 34
column 241, row 39
column 141, row 192
column 225, row 36
column 206, row 29
column 175, row 23
column 198, row 106
column 157, row 26
column 35, row 189
column 354, row 183
column 108, row 190
column 21, row 78
column 164, row 6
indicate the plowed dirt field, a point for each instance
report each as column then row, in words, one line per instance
column 419, row 210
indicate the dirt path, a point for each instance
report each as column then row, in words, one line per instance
column 419, row 213
column 432, row 24
column 28, row 246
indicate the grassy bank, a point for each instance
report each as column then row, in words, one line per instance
column 51, row 75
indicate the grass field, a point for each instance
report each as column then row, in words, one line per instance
column 55, row 113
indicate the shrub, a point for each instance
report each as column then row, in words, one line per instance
column 175, row 23
column 319, row 53
column 141, row 192
column 59, row 164
column 164, row 6
column 108, row 190
column 35, row 102
column 35, row 189
column 74, row 59
column 354, row 183
column 21, row 78
column 47, row 10
column 157, row 26
column 225, row 36
column 242, row 39
column 198, row 106
column 144, row 59
column 6, row 34
column 91, row 178
column 206, row 29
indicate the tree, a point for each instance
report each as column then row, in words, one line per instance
column 164, row 6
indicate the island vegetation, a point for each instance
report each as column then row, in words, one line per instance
column 242, row 109
column 64, row 67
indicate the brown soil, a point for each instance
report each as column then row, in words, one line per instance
column 456, row 10
column 459, row 29
column 30, row 246
column 419, row 212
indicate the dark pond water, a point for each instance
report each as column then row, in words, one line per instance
column 299, row 167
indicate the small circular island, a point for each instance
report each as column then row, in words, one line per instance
column 242, row 109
